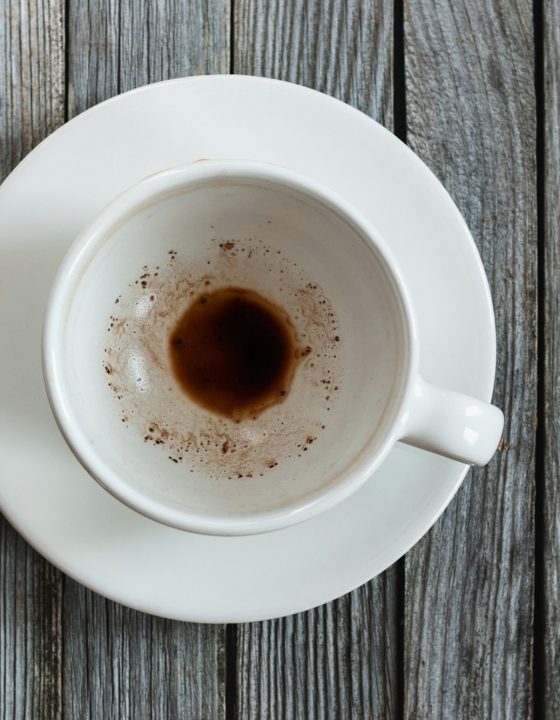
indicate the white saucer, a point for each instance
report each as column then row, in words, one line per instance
column 64, row 182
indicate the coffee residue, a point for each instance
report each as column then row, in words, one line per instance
column 282, row 369
column 234, row 352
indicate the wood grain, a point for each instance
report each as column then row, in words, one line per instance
column 340, row 660
column 342, row 49
column 115, row 46
column 30, row 631
column 31, row 106
column 337, row 661
column 469, row 584
column 550, row 512
column 171, row 38
column 31, row 76
column 66, row 652
column 93, row 53
column 119, row 663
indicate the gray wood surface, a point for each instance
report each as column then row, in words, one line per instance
column 31, row 107
column 31, row 76
column 117, row 45
column 118, row 663
column 550, row 511
column 30, row 631
column 339, row 661
column 344, row 49
column 449, row 633
column 469, row 584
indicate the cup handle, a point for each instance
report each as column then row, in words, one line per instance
column 452, row 424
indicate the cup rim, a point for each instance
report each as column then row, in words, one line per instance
column 88, row 243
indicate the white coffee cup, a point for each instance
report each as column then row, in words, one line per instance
column 296, row 459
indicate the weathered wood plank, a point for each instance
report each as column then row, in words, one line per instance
column 31, row 106
column 342, row 49
column 116, row 46
column 550, row 512
column 173, row 38
column 30, row 631
column 469, row 584
column 31, row 76
column 338, row 661
column 93, row 53
column 119, row 663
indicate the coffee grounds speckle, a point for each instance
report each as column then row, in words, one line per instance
column 215, row 441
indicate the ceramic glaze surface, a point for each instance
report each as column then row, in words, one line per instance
column 53, row 502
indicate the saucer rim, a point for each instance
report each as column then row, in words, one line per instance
column 336, row 591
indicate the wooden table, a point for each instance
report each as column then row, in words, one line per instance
column 467, row 625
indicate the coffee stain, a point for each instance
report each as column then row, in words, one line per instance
column 234, row 352
column 138, row 363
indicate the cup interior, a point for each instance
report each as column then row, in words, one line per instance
column 131, row 275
